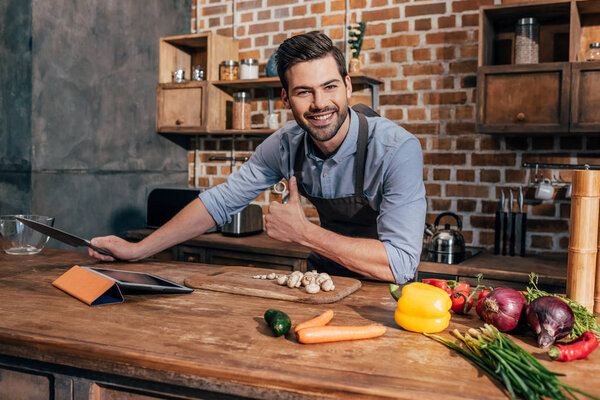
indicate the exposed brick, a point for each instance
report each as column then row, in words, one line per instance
column 460, row 128
column 515, row 175
column 416, row 114
column 394, row 114
column 541, row 241
column 465, row 143
column 469, row 81
column 423, row 24
column 335, row 19
column 399, row 99
column 463, row 67
column 451, row 37
column 469, row 20
column 446, row 82
column 376, row 29
column 441, row 143
column 338, row 5
column 444, row 159
column 299, row 11
column 565, row 211
column 212, row 22
column 465, row 175
column 433, row 189
column 399, row 84
column 317, row 8
column 401, row 26
column 264, row 15
column 213, row 10
column 398, row 56
column 563, row 242
column 550, row 225
column 550, row 158
column 544, row 210
column 260, row 41
column 300, row 23
column 469, row 5
column 440, row 113
column 427, row 128
column 463, row 205
column 440, row 204
column 263, row 28
column 445, row 53
column 445, row 98
column 469, row 51
column 441, row 174
column 421, row 55
column 489, row 159
column 593, row 159
column 446, row 22
column 401, row 41
column 464, row 112
column 489, row 207
column 486, row 238
column 248, row 5
column 376, row 57
column 489, row 175
column 422, row 69
column 424, row 9
column 422, row 84
column 490, row 143
column 483, row 222
column 249, row 17
column 382, row 14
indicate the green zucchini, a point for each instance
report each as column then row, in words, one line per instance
column 279, row 322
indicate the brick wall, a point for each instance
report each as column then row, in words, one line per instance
column 426, row 54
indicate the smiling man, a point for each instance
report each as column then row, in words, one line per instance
column 362, row 172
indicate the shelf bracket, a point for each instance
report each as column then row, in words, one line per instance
column 374, row 95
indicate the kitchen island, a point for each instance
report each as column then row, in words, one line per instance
column 216, row 345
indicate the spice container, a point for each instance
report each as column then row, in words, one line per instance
column 228, row 70
column 249, row 68
column 197, row 73
column 178, row 76
column 241, row 110
column 593, row 53
column 527, row 41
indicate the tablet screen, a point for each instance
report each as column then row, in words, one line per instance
column 133, row 277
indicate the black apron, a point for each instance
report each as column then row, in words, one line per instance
column 349, row 216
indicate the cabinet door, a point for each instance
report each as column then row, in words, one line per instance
column 585, row 97
column 523, row 98
column 221, row 257
column 23, row 385
column 179, row 107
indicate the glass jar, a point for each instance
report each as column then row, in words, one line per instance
column 249, row 68
column 593, row 53
column 228, row 70
column 197, row 73
column 242, row 118
column 527, row 41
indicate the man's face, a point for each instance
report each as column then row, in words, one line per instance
column 318, row 98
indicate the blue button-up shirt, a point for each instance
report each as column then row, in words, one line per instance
column 393, row 182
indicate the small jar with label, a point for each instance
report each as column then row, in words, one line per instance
column 228, row 70
column 249, row 68
column 527, row 41
column 242, row 118
column 593, row 53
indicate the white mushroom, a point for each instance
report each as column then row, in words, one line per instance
column 294, row 280
column 256, row 277
column 322, row 277
column 308, row 278
column 272, row 276
column 282, row 280
column 327, row 285
column 313, row 288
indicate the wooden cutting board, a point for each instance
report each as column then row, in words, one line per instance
column 238, row 280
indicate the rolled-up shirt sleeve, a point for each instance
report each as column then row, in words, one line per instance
column 402, row 211
column 263, row 169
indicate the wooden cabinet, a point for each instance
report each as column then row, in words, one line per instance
column 558, row 94
column 192, row 106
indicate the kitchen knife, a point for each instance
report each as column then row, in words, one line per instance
column 507, row 229
column 64, row 237
column 520, row 226
column 511, row 225
column 499, row 229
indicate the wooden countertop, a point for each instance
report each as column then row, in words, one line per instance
column 219, row 342
column 552, row 270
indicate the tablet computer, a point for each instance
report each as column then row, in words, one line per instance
column 131, row 282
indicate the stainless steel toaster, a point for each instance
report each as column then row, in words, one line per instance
column 247, row 222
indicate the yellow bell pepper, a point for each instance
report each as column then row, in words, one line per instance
column 423, row 308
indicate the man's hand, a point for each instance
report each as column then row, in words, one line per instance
column 285, row 222
column 120, row 248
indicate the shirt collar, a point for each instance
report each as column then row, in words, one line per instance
column 348, row 146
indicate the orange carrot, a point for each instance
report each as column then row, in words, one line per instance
column 321, row 320
column 332, row 333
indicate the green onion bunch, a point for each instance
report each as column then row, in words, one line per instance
column 584, row 320
column 509, row 363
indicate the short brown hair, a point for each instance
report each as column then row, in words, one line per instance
column 306, row 47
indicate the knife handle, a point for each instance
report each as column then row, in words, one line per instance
column 498, row 232
column 506, row 234
column 512, row 234
column 102, row 250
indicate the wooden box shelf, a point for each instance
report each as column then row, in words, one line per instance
column 557, row 95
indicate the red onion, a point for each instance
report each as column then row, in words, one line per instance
column 551, row 318
column 502, row 308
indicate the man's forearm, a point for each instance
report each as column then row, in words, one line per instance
column 191, row 221
column 364, row 256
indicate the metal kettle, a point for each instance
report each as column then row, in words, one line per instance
column 447, row 241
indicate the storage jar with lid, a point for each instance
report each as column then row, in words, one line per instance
column 527, row 41
column 228, row 70
column 593, row 53
column 249, row 68
column 242, row 108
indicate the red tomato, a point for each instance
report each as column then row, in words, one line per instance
column 458, row 302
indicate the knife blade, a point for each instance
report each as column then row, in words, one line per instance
column 499, row 228
column 520, row 226
column 63, row 236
